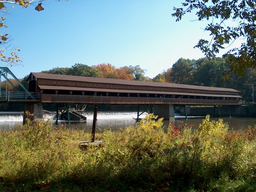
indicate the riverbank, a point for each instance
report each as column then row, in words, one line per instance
column 38, row 156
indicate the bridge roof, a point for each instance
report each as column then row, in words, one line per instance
column 127, row 82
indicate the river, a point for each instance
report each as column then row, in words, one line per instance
column 118, row 120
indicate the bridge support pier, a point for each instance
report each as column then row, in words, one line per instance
column 138, row 113
column 94, row 122
column 229, row 112
column 57, row 114
column 68, row 114
column 186, row 112
column 165, row 111
column 33, row 111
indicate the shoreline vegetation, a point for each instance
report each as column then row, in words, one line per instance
column 39, row 157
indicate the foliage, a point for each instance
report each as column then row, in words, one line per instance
column 145, row 157
column 214, row 69
column 182, row 71
column 83, row 70
column 167, row 75
column 159, row 78
column 228, row 21
column 9, row 86
column 138, row 73
column 124, row 73
column 106, row 70
column 205, row 72
column 102, row 70
column 58, row 70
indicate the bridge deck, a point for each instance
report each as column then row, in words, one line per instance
column 20, row 97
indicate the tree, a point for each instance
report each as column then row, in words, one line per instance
column 83, row 70
column 138, row 73
column 106, row 70
column 182, row 71
column 208, row 72
column 159, row 78
column 58, row 70
column 4, row 37
column 229, row 20
column 167, row 75
column 124, row 73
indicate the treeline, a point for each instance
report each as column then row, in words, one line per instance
column 104, row 71
column 201, row 72
column 205, row 72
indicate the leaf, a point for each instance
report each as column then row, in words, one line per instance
column 3, row 38
column 21, row 2
column 39, row 7
column 2, row 5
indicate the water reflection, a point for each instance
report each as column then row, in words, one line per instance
column 107, row 121
column 233, row 122
column 123, row 120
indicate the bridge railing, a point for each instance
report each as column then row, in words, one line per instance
column 73, row 99
column 20, row 95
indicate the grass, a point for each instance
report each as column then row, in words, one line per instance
column 39, row 157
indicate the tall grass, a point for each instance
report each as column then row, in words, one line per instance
column 37, row 156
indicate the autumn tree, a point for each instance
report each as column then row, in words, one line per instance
column 124, row 73
column 9, row 86
column 106, row 70
column 101, row 70
column 159, row 78
column 167, row 75
column 228, row 21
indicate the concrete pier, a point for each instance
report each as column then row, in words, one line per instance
column 33, row 111
column 165, row 111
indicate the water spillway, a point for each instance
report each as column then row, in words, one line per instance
column 11, row 116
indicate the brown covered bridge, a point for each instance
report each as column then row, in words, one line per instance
column 68, row 89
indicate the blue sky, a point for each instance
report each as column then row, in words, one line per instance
column 119, row 32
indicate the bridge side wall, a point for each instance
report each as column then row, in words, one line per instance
column 165, row 111
column 112, row 100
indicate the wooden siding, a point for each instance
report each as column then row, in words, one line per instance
column 85, row 99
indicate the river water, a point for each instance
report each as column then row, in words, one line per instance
column 118, row 120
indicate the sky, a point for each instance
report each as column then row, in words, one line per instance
column 119, row 32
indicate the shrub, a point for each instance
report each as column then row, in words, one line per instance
column 139, row 158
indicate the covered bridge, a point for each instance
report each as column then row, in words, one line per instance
column 55, row 88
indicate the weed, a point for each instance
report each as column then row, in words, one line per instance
column 37, row 156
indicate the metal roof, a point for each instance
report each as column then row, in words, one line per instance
column 65, row 88
column 127, row 82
